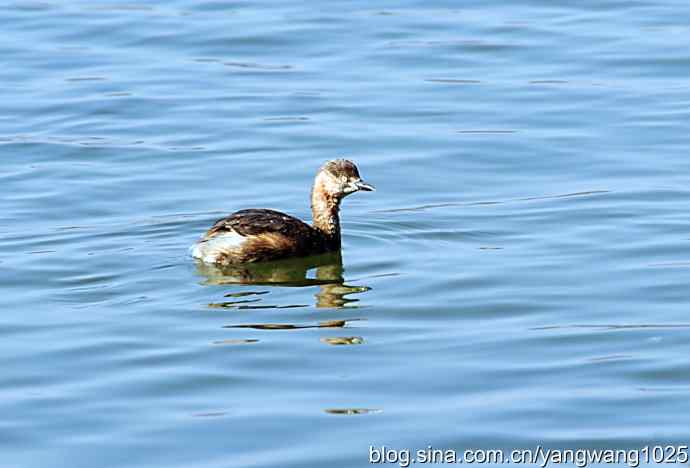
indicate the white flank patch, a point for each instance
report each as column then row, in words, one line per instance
column 209, row 250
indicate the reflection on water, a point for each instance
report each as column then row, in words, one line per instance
column 243, row 306
column 343, row 340
column 246, row 293
column 236, row 341
column 328, row 276
column 351, row 411
column 324, row 272
column 211, row 414
column 289, row 272
column 292, row 326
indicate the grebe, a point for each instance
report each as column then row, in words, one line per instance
column 258, row 235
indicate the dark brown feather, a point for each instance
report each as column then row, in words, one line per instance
column 251, row 222
column 271, row 235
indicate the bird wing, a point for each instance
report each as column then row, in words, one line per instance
column 253, row 222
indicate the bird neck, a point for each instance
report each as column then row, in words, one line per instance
column 324, row 209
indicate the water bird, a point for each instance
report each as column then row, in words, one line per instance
column 260, row 235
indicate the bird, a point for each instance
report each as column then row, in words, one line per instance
column 263, row 235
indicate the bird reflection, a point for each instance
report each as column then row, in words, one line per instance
column 295, row 272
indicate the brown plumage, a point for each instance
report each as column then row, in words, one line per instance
column 257, row 235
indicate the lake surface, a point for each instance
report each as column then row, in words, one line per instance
column 520, row 277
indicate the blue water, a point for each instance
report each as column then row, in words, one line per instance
column 519, row 278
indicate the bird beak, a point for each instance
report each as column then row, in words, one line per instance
column 361, row 185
